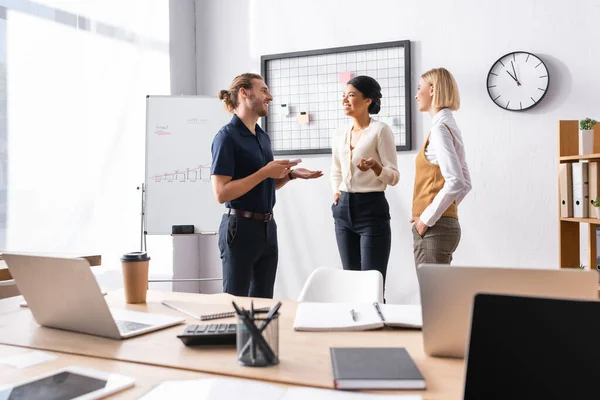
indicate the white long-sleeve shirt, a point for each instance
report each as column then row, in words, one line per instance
column 377, row 141
column 449, row 153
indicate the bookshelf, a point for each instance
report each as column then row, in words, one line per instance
column 568, row 232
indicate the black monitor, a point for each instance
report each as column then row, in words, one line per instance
column 533, row 348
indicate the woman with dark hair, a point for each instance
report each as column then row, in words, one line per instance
column 364, row 164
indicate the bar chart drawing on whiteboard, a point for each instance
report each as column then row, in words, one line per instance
column 200, row 173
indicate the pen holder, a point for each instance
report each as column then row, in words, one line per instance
column 251, row 352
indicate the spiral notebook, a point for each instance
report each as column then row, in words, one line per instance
column 356, row 316
column 229, row 314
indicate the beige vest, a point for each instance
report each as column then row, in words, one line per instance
column 428, row 183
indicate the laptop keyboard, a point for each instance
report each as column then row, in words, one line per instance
column 129, row 326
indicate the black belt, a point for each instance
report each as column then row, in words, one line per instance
column 251, row 215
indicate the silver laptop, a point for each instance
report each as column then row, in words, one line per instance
column 63, row 293
column 447, row 294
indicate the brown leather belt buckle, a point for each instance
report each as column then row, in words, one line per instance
column 267, row 217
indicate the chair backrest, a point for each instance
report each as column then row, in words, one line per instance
column 533, row 348
column 329, row 285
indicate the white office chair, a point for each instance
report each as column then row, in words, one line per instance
column 328, row 285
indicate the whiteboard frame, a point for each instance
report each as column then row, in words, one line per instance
column 404, row 44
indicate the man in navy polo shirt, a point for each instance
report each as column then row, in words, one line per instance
column 245, row 177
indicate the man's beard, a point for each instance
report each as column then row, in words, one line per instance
column 257, row 106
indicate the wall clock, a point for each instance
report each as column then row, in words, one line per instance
column 518, row 81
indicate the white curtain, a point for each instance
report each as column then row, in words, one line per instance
column 77, row 75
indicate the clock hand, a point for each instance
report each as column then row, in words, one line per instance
column 518, row 84
column 515, row 72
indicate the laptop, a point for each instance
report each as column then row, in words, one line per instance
column 533, row 348
column 447, row 297
column 63, row 293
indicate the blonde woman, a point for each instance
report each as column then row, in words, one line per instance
column 364, row 164
column 442, row 178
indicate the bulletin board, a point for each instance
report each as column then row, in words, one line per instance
column 307, row 88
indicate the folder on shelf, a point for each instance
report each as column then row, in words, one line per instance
column 594, row 186
column 565, row 176
column 581, row 195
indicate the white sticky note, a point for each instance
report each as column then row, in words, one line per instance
column 284, row 110
column 390, row 121
column 28, row 359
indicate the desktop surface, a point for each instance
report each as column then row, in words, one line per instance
column 304, row 356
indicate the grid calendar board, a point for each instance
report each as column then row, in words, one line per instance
column 307, row 90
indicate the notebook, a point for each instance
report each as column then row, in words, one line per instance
column 375, row 368
column 228, row 388
column 338, row 316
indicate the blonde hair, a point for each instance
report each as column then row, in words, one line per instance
column 230, row 97
column 445, row 89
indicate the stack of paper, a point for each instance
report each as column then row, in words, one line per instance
column 225, row 388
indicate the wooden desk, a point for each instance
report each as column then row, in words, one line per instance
column 11, row 290
column 4, row 274
column 304, row 356
column 146, row 376
column 94, row 261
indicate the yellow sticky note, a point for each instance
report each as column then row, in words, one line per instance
column 345, row 77
column 303, row 118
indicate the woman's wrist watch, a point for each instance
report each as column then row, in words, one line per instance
column 290, row 176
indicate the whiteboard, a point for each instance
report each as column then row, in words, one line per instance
column 307, row 87
column 179, row 135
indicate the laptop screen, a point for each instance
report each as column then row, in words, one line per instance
column 533, row 348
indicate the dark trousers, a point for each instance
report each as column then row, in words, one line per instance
column 249, row 254
column 362, row 231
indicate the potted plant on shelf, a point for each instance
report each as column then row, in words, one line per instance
column 596, row 204
column 586, row 136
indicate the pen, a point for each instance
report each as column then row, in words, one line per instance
column 253, row 347
column 376, row 304
column 164, row 303
column 353, row 314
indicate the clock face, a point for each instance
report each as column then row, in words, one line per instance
column 518, row 81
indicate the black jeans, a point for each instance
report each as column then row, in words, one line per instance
column 362, row 231
column 249, row 254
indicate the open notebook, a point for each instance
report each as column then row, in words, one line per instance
column 338, row 316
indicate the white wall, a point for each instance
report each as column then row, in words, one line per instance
column 510, row 217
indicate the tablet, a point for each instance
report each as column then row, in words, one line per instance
column 67, row 383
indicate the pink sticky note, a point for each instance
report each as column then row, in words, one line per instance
column 345, row 77
column 303, row 118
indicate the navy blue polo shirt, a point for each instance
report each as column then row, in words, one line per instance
column 238, row 153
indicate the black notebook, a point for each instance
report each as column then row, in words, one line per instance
column 375, row 368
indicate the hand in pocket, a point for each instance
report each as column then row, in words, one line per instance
column 231, row 230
